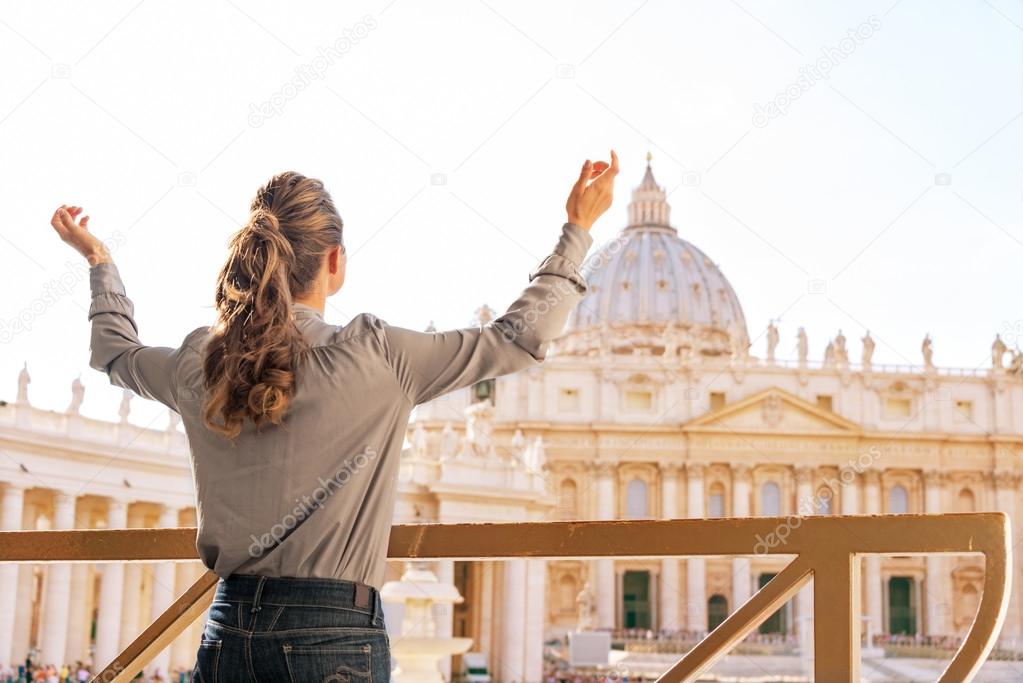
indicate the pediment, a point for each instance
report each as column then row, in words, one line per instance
column 772, row 410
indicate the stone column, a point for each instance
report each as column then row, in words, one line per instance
column 536, row 618
column 131, row 625
column 131, row 602
column 58, row 589
column 11, row 517
column 489, row 624
column 78, row 617
column 1005, row 499
column 184, row 647
column 513, row 627
column 938, row 608
column 23, row 634
column 605, row 567
column 696, row 567
column 806, row 506
column 850, row 494
column 163, row 591
column 444, row 614
column 669, row 593
column 741, row 582
column 872, row 563
column 108, row 620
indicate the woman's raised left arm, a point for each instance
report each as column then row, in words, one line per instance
column 149, row 371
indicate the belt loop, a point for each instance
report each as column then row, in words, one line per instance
column 259, row 594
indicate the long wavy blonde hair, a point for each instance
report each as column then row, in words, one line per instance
column 255, row 346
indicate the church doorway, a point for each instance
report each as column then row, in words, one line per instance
column 636, row 600
column 717, row 611
column 777, row 622
column 901, row 607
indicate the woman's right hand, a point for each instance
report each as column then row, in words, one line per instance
column 76, row 233
column 589, row 200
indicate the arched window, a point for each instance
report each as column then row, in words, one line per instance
column 898, row 500
column 770, row 500
column 568, row 499
column 967, row 501
column 717, row 611
column 635, row 499
column 716, row 500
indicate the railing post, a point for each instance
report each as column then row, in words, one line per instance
column 836, row 616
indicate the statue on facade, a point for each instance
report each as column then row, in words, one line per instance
column 927, row 348
column 772, row 341
column 125, row 408
column 998, row 349
column 77, row 396
column 868, row 350
column 431, row 327
column 173, row 420
column 736, row 341
column 841, row 352
column 536, row 456
column 479, row 430
column 419, row 440
column 829, row 355
column 803, row 346
column 1016, row 363
column 670, row 340
column 518, row 444
column 584, row 605
column 24, row 379
column 448, row 442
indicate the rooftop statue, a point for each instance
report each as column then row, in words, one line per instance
column 24, row 379
column 927, row 348
column 998, row 349
column 868, row 350
column 772, row 341
column 77, row 396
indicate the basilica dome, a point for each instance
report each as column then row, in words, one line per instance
column 652, row 291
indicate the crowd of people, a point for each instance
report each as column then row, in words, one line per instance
column 31, row 672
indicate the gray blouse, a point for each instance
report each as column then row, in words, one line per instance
column 314, row 497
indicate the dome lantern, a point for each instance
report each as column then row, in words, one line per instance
column 651, row 292
column 649, row 205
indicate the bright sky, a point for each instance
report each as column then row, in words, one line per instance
column 895, row 184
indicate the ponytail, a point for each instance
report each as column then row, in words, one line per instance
column 252, row 357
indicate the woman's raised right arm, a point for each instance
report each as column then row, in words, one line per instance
column 430, row 364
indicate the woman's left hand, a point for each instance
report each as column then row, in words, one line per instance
column 76, row 233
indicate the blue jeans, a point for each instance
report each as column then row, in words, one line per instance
column 300, row 630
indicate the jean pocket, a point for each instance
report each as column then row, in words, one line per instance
column 207, row 662
column 328, row 664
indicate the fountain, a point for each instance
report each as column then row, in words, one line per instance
column 418, row 650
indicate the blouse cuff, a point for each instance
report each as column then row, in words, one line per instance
column 104, row 278
column 568, row 254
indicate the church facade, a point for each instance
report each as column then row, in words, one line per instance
column 652, row 405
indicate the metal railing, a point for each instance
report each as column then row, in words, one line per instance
column 826, row 550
